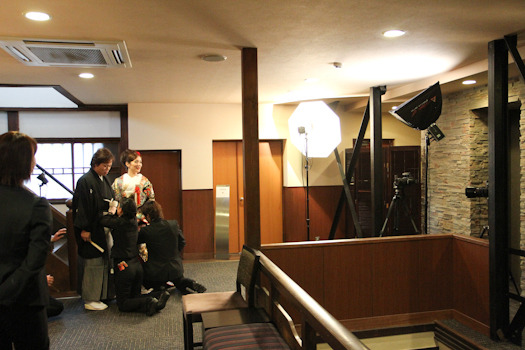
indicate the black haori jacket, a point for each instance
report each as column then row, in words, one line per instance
column 89, row 205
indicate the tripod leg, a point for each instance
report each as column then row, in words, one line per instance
column 387, row 216
column 407, row 212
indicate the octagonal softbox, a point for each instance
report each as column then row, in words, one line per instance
column 421, row 111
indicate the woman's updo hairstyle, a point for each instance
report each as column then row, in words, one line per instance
column 128, row 155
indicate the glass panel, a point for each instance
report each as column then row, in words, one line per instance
column 66, row 162
column 54, row 155
column 55, row 158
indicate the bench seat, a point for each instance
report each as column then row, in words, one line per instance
column 244, row 336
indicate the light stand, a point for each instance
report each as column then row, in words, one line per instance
column 44, row 181
column 302, row 130
column 421, row 113
column 316, row 131
column 433, row 133
column 427, row 143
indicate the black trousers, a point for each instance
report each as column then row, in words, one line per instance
column 55, row 307
column 181, row 284
column 23, row 326
column 127, row 287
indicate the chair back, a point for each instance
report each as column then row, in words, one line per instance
column 247, row 274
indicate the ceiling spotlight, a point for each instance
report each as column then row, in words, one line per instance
column 311, row 80
column 394, row 33
column 338, row 65
column 213, row 58
column 86, row 75
column 468, row 82
column 38, row 16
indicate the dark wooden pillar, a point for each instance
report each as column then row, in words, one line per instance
column 250, row 145
column 498, row 187
column 376, row 158
column 124, row 137
column 13, row 123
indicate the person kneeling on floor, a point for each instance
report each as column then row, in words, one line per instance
column 164, row 241
column 126, row 264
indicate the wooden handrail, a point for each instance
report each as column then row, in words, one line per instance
column 315, row 317
column 54, row 179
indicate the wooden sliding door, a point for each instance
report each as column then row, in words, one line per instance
column 163, row 169
column 228, row 170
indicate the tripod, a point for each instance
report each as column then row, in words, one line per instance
column 397, row 201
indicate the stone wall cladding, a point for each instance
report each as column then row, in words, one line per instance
column 452, row 161
column 461, row 160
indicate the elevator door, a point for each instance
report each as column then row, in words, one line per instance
column 228, row 170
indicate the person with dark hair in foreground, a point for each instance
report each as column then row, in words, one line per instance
column 125, row 256
column 25, row 234
column 164, row 241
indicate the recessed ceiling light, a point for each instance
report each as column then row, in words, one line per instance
column 394, row 33
column 38, row 16
column 311, row 80
column 213, row 58
column 469, row 82
column 86, row 75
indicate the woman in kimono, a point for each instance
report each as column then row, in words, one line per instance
column 133, row 184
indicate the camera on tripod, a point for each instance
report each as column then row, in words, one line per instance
column 406, row 179
column 398, row 202
column 475, row 192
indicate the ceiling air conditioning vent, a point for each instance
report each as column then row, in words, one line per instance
column 65, row 53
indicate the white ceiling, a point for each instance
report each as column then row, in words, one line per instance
column 295, row 39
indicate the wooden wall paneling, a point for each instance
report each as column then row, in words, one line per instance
column 198, row 223
column 471, row 279
column 380, row 280
column 271, row 183
column 435, row 273
column 323, row 204
column 294, row 214
column 302, row 264
column 348, row 271
column 396, row 281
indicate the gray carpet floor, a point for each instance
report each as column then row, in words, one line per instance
column 111, row 329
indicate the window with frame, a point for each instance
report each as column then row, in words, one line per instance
column 67, row 161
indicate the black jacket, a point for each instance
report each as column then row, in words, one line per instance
column 25, row 234
column 125, row 233
column 88, row 208
column 164, row 241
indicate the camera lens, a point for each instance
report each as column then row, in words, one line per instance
column 475, row 192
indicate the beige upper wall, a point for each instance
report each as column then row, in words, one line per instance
column 192, row 128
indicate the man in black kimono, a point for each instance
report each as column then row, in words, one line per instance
column 91, row 199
